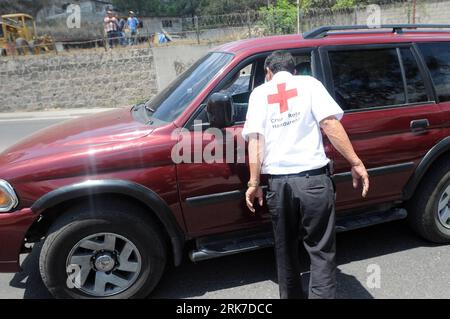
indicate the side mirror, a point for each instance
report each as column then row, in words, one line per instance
column 220, row 110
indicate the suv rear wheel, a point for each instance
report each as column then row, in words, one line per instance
column 106, row 251
column 429, row 210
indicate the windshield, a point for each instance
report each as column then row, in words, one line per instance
column 174, row 99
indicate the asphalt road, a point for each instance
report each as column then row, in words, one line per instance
column 385, row 261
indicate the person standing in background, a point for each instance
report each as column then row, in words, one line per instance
column 111, row 26
column 121, row 31
column 132, row 23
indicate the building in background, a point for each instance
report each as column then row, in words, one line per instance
column 159, row 24
column 58, row 8
column 52, row 19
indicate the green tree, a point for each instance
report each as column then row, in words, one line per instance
column 214, row 7
column 340, row 4
column 218, row 7
column 189, row 7
column 143, row 7
column 279, row 18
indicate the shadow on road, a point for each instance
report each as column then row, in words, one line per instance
column 29, row 278
column 196, row 280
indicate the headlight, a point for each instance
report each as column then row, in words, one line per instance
column 8, row 198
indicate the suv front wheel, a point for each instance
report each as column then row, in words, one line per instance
column 106, row 251
column 429, row 210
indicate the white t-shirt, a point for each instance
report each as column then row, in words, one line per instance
column 287, row 110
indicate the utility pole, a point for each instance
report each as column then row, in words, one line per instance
column 298, row 16
column 414, row 11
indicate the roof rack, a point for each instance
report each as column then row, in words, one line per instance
column 396, row 28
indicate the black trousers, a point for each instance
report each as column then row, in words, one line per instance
column 112, row 38
column 302, row 207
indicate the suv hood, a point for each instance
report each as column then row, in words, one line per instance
column 92, row 130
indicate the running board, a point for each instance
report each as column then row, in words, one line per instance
column 248, row 240
column 232, row 243
column 361, row 221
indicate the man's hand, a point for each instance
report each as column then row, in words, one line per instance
column 339, row 138
column 359, row 172
column 251, row 194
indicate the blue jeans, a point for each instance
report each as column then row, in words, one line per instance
column 132, row 39
column 122, row 38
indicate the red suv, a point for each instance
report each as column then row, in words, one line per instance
column 113, row 208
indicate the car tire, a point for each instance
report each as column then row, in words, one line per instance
column 430, row 205
column 127, row 252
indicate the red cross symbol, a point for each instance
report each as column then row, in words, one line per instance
column 282, row 97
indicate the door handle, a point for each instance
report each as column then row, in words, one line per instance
column 418, row 126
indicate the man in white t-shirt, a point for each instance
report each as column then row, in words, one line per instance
column 283, row 127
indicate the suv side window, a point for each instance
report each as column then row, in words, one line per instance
column 246, row 79
column 437, row 58
column 240, row 83
column 367, row 78
column 239, row 87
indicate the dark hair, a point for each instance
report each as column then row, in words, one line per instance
column 280, row 61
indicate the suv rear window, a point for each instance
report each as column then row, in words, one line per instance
column 437, row 58
column 367, row 78
column 374, row 78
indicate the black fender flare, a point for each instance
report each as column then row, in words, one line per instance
column 124, row 187
column 424, row 165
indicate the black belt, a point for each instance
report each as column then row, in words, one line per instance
column 312, row 172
